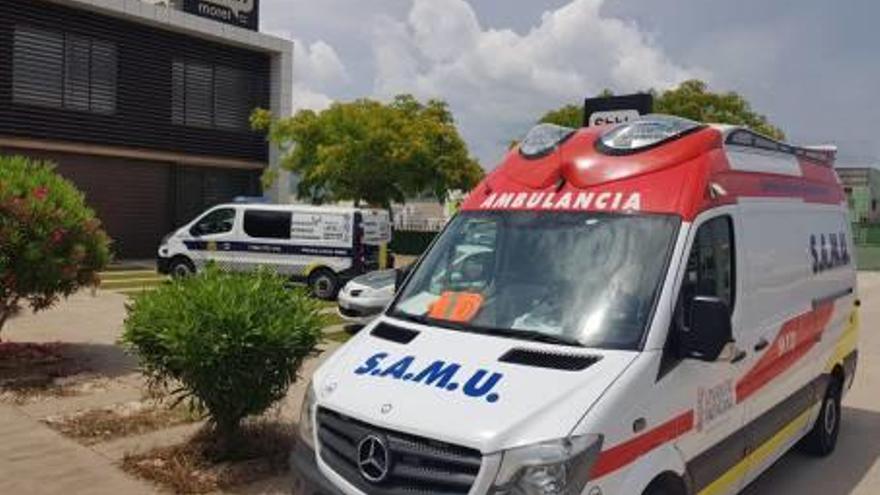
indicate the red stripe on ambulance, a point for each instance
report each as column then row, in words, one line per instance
column 625, row 453
column 793, row 342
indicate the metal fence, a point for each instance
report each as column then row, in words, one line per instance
column 867, row 241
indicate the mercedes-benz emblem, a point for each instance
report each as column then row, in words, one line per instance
column 373, row 458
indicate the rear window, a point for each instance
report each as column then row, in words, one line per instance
column 267, row 224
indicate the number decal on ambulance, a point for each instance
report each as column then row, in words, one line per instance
column 787, row 343
column 439, row 374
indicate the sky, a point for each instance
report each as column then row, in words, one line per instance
column 810, row 66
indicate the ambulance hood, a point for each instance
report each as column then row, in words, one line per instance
column 481, row 391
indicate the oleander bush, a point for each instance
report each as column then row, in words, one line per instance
column 229, row 343
column 51, row 243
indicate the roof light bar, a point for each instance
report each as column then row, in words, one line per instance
column 645, row 132
column 543, row 139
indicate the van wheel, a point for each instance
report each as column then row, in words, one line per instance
column 181, row 267
column 324, row 284
column 822, row 439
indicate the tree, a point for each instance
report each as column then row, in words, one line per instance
column 229, row 343
column 691, row 100
column 51, row 244
column 372, row 152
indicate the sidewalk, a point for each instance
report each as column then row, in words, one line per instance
column 35, row 460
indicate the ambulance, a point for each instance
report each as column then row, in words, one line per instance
column 656, row 307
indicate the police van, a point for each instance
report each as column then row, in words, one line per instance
column 656, row 307
column 322, row 245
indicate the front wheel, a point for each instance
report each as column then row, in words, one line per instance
column 324, row 284
column 822, row 439
column 181, row 267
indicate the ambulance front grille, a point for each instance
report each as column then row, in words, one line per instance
column 419, row 466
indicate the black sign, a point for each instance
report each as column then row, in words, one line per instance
column 241, row 13
column 616, row 109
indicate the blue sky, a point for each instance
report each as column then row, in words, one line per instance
column 811, row 66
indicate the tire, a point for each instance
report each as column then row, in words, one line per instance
column 181, row 267
column 323, row 284
column 666, row 485
column 822, row 439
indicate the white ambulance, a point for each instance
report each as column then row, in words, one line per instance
column 658, row 307
column 322, row 245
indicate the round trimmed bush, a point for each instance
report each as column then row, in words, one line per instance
column 51, row 243
column 231, row 343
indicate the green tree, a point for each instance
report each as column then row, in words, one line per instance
column 369, row 151
column 229, row 343
column 51, row 244
column 691, row 99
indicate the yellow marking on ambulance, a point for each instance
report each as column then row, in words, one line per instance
column 759, row 455
column 847, row 342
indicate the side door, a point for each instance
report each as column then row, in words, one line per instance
column 267, row 243
column 212, row 236
column 716, row 444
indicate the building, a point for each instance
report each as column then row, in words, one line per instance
column 145, row 107
column 862, row 188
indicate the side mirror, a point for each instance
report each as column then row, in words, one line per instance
column 710, row 330
column 400, row 275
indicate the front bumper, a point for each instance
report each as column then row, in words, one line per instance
column 357, row 313
column 307, row 478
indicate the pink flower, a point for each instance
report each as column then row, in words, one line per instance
column 57, row 236
column 40, row 192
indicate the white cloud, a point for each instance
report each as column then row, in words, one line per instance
column 318, row 72
column 497, row 81
column 316, row 65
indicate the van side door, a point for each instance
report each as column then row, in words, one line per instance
column 267, row 235
column 716, row 442
column 212, row 236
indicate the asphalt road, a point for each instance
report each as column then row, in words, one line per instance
column 855, row 466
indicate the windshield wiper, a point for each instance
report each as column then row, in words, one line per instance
column 531, row 335
column 536, row 336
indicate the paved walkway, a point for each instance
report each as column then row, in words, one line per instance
column 35, row 460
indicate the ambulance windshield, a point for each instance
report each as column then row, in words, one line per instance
column 586, row 279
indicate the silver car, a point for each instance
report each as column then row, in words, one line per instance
column 365, row 296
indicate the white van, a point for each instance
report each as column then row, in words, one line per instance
column 659, row 307
column 324, row 246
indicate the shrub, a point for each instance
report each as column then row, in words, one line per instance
column 51, row 244
column 233, row 342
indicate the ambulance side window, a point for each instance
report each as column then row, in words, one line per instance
column 710, row 267
column 217, row 222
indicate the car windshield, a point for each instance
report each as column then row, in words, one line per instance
column 586, row 279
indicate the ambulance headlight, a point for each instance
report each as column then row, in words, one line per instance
column 558, row 467
column 307, row 418
column 645, row 132
column 543, row 139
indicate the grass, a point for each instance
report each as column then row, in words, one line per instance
column 341, row 337
column 100, row 425
column 200, row 465
column 868, row 257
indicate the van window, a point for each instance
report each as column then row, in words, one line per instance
column 710, row 266
column 267, row 224
column 216, row 222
